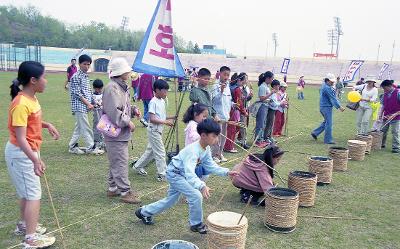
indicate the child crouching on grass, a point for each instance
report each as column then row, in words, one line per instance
column 22, row 152
column 182, row 178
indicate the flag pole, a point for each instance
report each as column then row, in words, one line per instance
column 176, row 113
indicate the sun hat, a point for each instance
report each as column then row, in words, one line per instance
column 331, row 77
column 119, row 66
column 370, row 78
column 283, row 84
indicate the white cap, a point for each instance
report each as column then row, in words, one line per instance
column 331, row 77
column 119, row 66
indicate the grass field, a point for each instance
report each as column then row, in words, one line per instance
column 369, row 189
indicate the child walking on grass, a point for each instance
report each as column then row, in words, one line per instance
column 22, row 152
column 158, row 118
column 182, row 178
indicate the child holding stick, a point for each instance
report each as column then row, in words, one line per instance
column 182, row 178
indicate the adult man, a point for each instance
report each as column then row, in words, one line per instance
column 145, row 94
column 391, row 110
column 360, row 82
column 71, row 70
column 81, row 98
column 327, row 100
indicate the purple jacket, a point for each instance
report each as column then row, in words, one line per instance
column 391, row 103
column 146, row 87
column 71, row 70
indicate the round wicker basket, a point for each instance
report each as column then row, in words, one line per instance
column 376, row 139
column 322, row 167
column 305, row 184
column 340, row 157
column 357, row 149
column 224, row 232
column 181, row 244
column 365, row 138
column 281, row 207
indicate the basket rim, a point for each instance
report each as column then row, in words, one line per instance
column 303, row 174
column 293, row 194
column 327, row 158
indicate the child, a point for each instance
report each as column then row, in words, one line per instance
column 222, row 102
column 200, row 93
column 194, row 115
column 97, row 112
column 238, row 109
column 300, row 88
column 183, row 180
column 23, row 149
column 264, row 94
column 273, row 106
column 280, row 113
column 81, row 98
column 255, row 178
column 247, row 95
column 157, row 117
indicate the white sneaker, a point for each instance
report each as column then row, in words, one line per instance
column 140, row 171
column 223, row 159
column 21, row 229
column 95, row 151
column 39, row 241
column 216, row 159
column 76, row 150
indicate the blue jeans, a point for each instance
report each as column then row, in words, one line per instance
column 146, row 109
column 177, row 186
column 300, row 95
column 326, row 125
column 260, row 122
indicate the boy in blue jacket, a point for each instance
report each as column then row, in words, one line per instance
column 182, row 178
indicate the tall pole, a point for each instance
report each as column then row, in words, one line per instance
column 275, row 41
column 339, row 32
column 377, row 57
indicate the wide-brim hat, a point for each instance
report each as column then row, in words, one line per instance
column 283, row 84
column 119, row 66
column 370, row 78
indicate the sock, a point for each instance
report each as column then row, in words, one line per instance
column 112, row 189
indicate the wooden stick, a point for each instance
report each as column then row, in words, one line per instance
column 245, row 209
column 330, row 217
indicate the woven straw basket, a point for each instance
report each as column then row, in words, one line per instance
column 376, row 139
column 224, row 232
column 340, row 157
column 357, row 149
column 281, row 210
column 368, row 139
column 322, row 167
column 305, row 184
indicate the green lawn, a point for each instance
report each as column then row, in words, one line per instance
column 78, row 185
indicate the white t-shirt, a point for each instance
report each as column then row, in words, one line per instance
column 371, row 94
column 157, row 107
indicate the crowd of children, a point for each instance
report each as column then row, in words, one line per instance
column 216, row 122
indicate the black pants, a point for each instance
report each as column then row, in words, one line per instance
column 245, row 196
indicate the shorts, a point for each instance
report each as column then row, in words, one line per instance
column 20, row 169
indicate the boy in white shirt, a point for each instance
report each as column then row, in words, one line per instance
column 158, row 118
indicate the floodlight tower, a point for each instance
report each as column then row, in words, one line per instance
column 332, row 38
column 124, row 23
column 275, row 42
column 339, row 31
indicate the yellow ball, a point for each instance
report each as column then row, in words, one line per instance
column 354, row 96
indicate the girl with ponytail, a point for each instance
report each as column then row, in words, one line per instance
column 22, row 151
column 194, row 115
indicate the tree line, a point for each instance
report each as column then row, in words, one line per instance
column 28, row 25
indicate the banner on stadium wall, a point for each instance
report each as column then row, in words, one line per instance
column 285, row 65
column 383, row 69
column 352, row 70
column 157, row 55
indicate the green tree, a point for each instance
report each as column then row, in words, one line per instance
column 196, row 49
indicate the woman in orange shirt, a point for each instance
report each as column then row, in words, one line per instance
column 22, row 152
